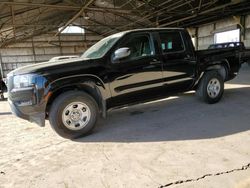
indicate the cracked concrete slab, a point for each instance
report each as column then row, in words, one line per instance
column 239, row 179
column 188, row 182
column 177, row 138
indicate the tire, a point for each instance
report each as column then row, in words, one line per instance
column 73, row 114
column 211, row 87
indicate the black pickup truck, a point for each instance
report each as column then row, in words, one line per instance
column 125, row 68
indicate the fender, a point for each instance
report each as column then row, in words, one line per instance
column 215, row 65
column 90, row 83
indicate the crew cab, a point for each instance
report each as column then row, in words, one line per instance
column 122, row 69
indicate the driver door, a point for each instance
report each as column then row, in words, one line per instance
column 138, row 72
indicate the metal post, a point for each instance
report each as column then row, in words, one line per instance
column 33, row 49
column 196, row 38
column 1, row 65
column 13, row 21
column 243, row 29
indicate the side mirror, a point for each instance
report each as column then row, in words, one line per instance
column 122, row 53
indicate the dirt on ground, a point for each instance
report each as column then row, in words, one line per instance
column 175, row 142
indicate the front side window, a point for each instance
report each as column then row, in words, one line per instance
column 101, row 48
column 171, row 42
column 139, row 47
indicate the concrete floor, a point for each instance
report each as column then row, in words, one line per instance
column 149, row 145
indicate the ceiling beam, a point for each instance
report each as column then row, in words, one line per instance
column 24, row 37
column 56, row 25
column 75, row 17
column 200, row 3
column 65, row 7
column 19, row 11
column 131, row 19
column 189, row 11
column 104, row 25
column 21, row 28
column 13, row 21
column 159, row 12
column 94, row 31
column 201, row 13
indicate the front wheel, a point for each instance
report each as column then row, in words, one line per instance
column 211, row 87
column 73, row 114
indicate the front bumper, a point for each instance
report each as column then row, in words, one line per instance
column 28, row 103
column 29, row 113
column 25, row 103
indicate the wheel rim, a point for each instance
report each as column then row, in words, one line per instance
column 76, row 115
column 213, row 88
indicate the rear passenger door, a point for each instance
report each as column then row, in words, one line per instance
column 178, row 60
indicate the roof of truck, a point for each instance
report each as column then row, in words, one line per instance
column 152, row 29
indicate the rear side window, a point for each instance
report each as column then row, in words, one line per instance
column 171, row 42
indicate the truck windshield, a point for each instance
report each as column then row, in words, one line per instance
column 102, row 47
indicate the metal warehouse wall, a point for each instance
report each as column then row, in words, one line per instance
column 205, row 34
column 38, row 49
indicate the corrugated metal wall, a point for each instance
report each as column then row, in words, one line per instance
column 38, row 49
column 205, row 33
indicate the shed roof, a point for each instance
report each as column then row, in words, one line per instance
column 22, row 19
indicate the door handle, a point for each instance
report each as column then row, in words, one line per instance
column 188, row 57
column 189, row 60
column 154, row 62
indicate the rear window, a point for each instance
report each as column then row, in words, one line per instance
column 171, row 42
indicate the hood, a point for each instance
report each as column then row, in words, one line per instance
column 42, row 68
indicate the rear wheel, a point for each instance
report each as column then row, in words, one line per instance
column 211, row 87
column 73, row 114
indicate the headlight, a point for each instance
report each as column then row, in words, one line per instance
column 21, row 81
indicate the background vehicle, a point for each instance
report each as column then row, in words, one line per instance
column 227, row 45
column 3, row 88
column 125, row 68
column 60, row 58
column 245, row 53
